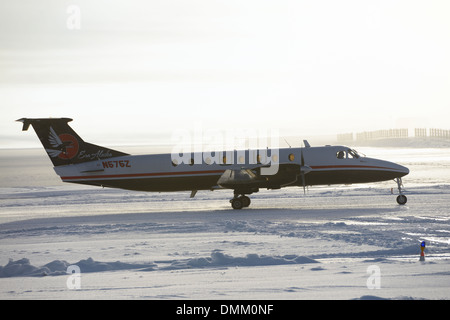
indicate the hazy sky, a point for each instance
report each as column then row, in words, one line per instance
column 133, row 71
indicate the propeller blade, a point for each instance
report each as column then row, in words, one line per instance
column 302, row 164
column 304, row 169
column 303, row 182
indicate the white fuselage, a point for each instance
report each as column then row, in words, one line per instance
column 201, row 171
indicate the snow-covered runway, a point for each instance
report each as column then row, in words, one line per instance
column 344, row 242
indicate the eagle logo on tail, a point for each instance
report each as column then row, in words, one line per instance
column 65, row 146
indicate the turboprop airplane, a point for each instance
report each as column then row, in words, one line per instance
column 244, row 172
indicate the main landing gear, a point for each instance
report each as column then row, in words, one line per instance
column 401, row 199
column 240, row 201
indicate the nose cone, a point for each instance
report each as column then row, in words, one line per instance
column 386, row 170
column 397, row 170
column 403, row 171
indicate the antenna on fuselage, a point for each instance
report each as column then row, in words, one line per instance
column 287, row 142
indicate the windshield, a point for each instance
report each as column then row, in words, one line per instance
column 353, row 153
column 348, row 154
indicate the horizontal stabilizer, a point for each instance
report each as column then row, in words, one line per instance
column 27, row 121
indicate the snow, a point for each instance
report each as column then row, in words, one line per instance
column 286, row 245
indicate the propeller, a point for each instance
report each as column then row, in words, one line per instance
column 304, row 169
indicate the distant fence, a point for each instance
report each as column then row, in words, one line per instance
column 394, row 134
column 383, row 134
column 440, row 133
column 421, row 132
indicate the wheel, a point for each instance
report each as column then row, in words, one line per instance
column 245, row 201
column 401, row 199
column 237, row 203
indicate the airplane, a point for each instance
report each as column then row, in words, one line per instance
column 242, row 171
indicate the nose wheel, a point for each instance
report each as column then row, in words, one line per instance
column 401, row 199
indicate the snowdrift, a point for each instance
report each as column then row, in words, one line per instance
column 23, row 267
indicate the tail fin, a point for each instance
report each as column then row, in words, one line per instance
column 63, row 145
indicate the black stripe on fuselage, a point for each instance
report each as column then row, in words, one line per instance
column 208, row 182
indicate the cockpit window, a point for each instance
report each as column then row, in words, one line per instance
column 348, row 154
column 353, row 154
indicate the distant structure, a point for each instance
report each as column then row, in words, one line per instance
column 440, row 133
column 383, row 134
column 422, row 133
column 394, row 134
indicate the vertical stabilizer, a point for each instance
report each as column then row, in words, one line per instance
column 63, row 145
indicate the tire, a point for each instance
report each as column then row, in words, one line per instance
column 237, row 204
column 245, row 201
column 401, row 199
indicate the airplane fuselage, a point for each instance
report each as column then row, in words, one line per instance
column 159, row 173
column 243, row 171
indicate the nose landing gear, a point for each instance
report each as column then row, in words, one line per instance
column 401, row 199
